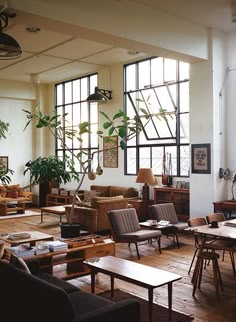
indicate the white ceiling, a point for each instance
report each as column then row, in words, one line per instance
column 54, row 56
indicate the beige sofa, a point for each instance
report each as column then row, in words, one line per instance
column 93, row 214
column 13, row 199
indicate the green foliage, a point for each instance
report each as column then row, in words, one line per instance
column 4, row 127
column 4, row 174
column 51, row 168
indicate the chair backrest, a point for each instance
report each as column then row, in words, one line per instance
column 165, row 211
column 194, row 222
column 123, row 221
column 217, row 216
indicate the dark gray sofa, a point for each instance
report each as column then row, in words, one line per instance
column 41, row 297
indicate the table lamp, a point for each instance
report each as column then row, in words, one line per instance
column 145, row 175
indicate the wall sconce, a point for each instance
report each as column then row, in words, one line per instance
column 145, row 175
column 100, row 96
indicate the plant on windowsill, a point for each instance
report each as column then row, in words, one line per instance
column 4, row 172
column 119, row 124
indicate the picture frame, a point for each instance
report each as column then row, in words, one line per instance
column 110, row 152
column 201, row 158
column 180, row 184
column 4, row 161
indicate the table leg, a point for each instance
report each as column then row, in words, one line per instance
column 170, row 301
column 92, row 281
column 112, row 286
column 150, row 303
column 41, row 216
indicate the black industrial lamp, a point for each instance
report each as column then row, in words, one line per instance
column 100, row 96
column 9, row 47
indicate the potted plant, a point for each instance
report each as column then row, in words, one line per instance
column 48, row 172
column 4, row 174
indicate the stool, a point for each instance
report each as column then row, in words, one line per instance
column 197, row 275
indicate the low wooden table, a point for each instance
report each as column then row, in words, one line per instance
column 35, row 237
column 138, row 274
column 56, row 210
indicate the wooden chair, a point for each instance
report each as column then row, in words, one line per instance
column 167, row 212
column 223, row 244
column 126, row 229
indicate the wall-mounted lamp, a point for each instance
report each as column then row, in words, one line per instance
column 145, row 175
column 100, row 96
column 9, row 47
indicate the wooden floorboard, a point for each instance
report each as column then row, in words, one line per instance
column 205, row 306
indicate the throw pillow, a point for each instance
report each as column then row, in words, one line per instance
column 3, row 191
column 89, row 194
column 20, row 263
column 12, row 194
column 95, row 199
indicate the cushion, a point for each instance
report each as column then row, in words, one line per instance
column 20, row 263
column 126, row 192
column 95, row 199
column 12, row 194
column 89, row 194
column 13, row 187
column 3, row 191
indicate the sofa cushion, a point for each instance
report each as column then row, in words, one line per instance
column 12, row 194
column 66, row 286
column 127, row 192
column 31, row 298
column 104, row 190
column 95, row 199
column 3, row 191
column 89, row 194
column 83, row 302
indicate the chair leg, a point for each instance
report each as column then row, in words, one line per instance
column 232, row 261
column 177, row 240
column 159, row 244
column 194, row 255
column 136, row 245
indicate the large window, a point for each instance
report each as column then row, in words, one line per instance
column 71, row 100
column 158, row 88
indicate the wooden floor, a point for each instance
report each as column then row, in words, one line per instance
column 205, row 307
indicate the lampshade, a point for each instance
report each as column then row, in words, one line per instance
column 9, row 47
column 99, row 96
column 145, row 175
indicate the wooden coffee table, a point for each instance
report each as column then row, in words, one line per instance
column 56, row 210
column 35, row 236
column 135, row 273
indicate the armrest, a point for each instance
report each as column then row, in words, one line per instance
column 33, row 265
column 127, row 310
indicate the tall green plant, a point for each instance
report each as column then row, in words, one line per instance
column 4, row 127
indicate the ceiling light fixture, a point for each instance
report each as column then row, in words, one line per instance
column 9, row 47
column 99, row 96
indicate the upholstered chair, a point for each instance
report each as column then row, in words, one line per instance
column 126, row 229
column 167, row 212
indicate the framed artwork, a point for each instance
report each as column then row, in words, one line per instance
column 201, row 158
column 110, row 152
column 4, row 162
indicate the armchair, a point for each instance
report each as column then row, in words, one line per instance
column 126, row 229
column 167, row 212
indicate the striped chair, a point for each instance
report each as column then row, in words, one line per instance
column 126, row 229
column 167, row 212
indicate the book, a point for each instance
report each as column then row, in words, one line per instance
column 41, row 248
column 15, row 236
column 22, row 250
column 231, row 223
column 57, row 245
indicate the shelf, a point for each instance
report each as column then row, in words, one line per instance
column 56, row 200
column 179, row 197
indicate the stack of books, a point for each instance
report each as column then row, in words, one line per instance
column 41, row 248
column 57, row 245
column 22, row 250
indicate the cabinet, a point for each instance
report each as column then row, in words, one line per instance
column 57, row 200
column 142, row 208
column 68, row 264
column 179, row 197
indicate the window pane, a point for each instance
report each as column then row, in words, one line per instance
column 184, row 156
column 131, row 160
column 157, row 71
column 131, row 78
column 170, row 70
column 144, row 74
column 184, row 128
column 59, row 95
column 68, row 92
column 76, row 90
column 144, row 158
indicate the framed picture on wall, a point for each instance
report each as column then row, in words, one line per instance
column 4, row 162
column 110, row 152
column 201, row 158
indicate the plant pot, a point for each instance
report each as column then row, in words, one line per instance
column 70, row 230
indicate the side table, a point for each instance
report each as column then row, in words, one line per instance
column 142, row 208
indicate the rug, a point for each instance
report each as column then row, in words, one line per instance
column 28, row 213
column 160, row 313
